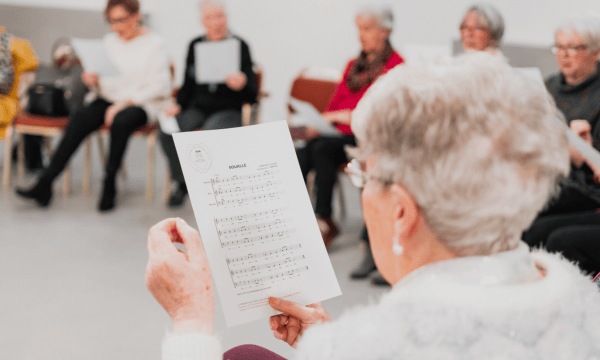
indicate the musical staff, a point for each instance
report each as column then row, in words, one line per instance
column 263, row 254
column 270, row 277
column 236, row 189
column 258, row 238
column 251, row 215
column 243, row 177
column 266, row 266
column 249, row 198
column 254, row 227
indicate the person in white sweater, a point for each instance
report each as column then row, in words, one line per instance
column 124, row 102
column 455, row 160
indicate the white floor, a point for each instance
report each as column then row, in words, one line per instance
column 72, row 279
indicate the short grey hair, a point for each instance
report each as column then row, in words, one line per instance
column 587, row 26
column 474, row 142
column 381, row 13
column 491, row 18
column 217, row 3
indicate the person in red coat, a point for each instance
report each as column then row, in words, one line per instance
column 325, row 154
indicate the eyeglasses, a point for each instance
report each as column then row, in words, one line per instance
column 477, row 28
column 358, row 177
column 569, row 50
column 120, row 20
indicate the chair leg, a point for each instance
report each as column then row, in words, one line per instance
column 150, row 171
column 101, row 147
column 342, row 199
column 7, row 164
column 67, row 181
column 167, row 187
column 21, row 157
column 87, row 169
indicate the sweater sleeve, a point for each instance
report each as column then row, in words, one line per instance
column 337, row 97
column 184, row 94
column 192, row 346
column 250, row 91
column 157, row 82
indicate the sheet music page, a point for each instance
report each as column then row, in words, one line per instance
column 94, row 57
column 255, row 219
column 217, row 59
column 308, row 115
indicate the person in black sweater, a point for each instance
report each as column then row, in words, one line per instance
column 208, row 105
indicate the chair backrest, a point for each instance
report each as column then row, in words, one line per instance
column 316, row 91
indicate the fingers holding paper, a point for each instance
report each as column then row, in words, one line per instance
column 89, row 79
column 295, row 319
column 237, row 81
column 181, row 282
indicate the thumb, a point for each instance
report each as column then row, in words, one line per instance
column 301, row 312
column 191, row 239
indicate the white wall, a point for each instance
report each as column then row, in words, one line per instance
column 286, row 36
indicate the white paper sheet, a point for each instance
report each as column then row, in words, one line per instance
column 94, row 57
column 217, row 59
column 307, row 115
column 168, row 124
column 255, row 218
column 589, row 152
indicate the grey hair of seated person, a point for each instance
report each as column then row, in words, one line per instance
column 472, row 140
column 587, row 26
column 491, row 18
column 218, row 3
column 381, row 13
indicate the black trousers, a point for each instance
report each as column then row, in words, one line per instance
column 190, row 120
column 325, row 155
column 575, row 235
column 89, row 119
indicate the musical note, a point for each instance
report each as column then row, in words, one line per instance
column 218, row 180
column 250, row 198
column 263, row 254
column 254, row 227
column 251, row 215
column 266, row 266
column 258, row 238
column 236, row 189
column 270, row 277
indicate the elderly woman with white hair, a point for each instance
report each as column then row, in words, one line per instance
column 208, row 105
column 481, row 29
column 455, row 160
column 571, row 224
column 325, row 154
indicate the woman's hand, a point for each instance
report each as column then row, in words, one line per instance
column 290, row 325
column 338, row 117
column 583, row 129
column 236, row 82
column 181, row 282
column 89, row 79
column 173, row 110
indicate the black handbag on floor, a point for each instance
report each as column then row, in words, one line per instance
column 47, row 99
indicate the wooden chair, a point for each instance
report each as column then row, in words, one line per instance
column 30, row 124
column 316, row 85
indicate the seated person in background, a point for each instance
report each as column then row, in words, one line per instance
column 576, row 91
column 325, row 154
column 481, row 29
column 24, row 59
column 208, row 106
column 126, row 101
column 455, row 160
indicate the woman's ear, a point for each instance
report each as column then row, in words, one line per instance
column 406, row 212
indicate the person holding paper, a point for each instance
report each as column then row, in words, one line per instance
column 325, row 154
column 455, row 159
column 576, row 90
column 214, row 104
column 124, row 102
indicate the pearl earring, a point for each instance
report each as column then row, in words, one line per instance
column 397, row 248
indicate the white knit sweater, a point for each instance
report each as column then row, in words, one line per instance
column 491, row 307
column 145, row 78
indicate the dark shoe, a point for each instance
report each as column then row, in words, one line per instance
column 366, row 267
column 41, row 193
column 178, row 196
column 107, row 201
column 379, row 280
column 328, row 230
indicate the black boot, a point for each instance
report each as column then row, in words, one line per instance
column 178, row 196
column 366, row 267
column 41, row 192
column 109, row 192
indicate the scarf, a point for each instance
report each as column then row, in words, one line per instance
column 363, row 72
